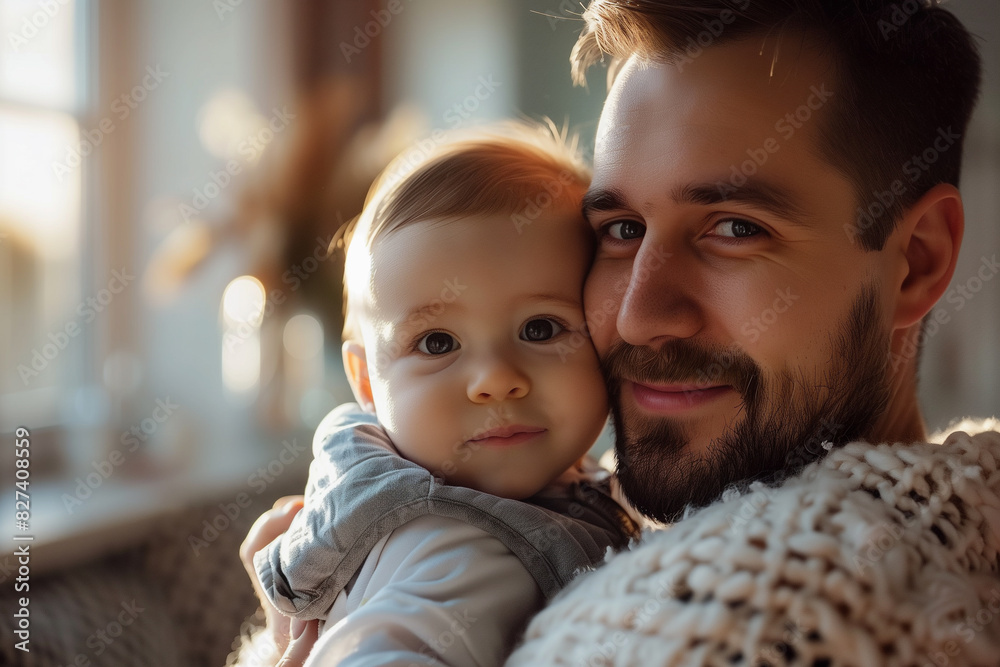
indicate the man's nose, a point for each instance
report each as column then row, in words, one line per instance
column 658, row 302
column 497, row 378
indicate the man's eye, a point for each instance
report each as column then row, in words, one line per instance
column 625, row 230
column 540, row 329
column 436, row 343
column 736, row 228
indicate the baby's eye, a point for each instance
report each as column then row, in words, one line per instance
column 437, row 342
column 540, row 329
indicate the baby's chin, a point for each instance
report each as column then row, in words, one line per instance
column 519, row 489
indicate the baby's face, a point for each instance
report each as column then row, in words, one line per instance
column 479, row 366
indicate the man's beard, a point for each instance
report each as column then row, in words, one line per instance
column 786, row 419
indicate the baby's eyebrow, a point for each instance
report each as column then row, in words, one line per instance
column 429, row 310
column 557, row 298
column 436, row 308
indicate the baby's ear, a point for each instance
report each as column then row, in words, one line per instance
column 356, row 366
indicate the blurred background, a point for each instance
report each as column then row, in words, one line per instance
column 171, row 174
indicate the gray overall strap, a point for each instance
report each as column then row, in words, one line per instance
column 360, row 490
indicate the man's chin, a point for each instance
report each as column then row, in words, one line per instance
column 781, row 424
column 662, row 470
column 667, row 465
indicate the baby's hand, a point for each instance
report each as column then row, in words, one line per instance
column 291, row 639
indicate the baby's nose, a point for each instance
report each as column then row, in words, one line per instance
column 498, row 380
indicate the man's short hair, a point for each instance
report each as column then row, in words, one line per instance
column 908, row 73
column 517, row 169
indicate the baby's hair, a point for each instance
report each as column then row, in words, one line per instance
column 512, row 168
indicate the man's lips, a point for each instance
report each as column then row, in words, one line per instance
column 674, row 398
column 503, row 436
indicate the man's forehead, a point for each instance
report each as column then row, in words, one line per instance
column 731, row 99
column 761, row 78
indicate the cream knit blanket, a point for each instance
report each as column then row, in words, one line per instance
column 875, row 555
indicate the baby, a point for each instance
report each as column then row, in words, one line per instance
column 456, row 497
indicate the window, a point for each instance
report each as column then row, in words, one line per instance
column 44, row 331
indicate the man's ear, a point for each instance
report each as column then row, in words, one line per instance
column 930, row 236
column 356, row 366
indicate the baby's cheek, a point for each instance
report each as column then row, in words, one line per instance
column 587, row 394
column 402, row 419
column 412, row 449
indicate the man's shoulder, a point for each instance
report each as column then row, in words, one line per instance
column 969, row 426
column 870, row 543
column 969, row 449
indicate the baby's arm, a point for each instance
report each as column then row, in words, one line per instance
column 410, row 583
column 442, row 593
column 302, row 571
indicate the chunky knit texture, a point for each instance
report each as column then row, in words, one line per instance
column 875, row 555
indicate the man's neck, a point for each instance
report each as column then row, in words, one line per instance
column 902, row 421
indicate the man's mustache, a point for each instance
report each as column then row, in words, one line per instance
column 681, row 361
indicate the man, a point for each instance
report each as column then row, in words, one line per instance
column 776, row 210
column 776, row 206
column 770, row 235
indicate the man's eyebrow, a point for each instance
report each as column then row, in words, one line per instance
column 758, row 194
column 603, row 199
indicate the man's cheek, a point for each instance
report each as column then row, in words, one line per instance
column 601, row 302
column 601, row 323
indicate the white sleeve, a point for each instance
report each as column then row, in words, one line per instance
column 442, row 592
